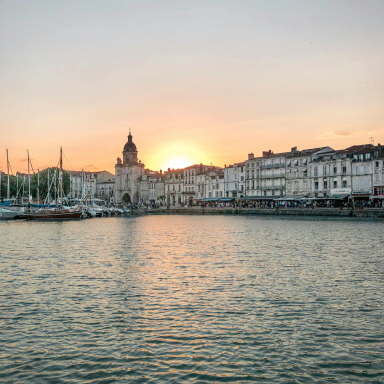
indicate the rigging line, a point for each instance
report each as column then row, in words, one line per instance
column 30, row 162
column 68, row 161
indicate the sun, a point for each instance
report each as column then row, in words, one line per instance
column 177, row 163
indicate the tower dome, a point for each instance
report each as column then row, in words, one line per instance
column 130, row 145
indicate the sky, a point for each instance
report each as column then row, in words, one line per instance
column 196, row 81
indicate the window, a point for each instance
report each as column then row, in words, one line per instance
column 316, row 184
column 325, row 170
column 335, row 182
column 325, row 183
column 344, row 183
column 289, row 162
column 357, row 184
column 357, row 170
column 334, row 170
column 315, row 173
column 366, row 169
column 344, row 170
column 377, row 164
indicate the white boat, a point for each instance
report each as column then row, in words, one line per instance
column 8, row 214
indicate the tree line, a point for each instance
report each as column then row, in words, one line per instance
column 39, row 183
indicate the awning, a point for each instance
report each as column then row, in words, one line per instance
column 226, row 199
column 211, row 199
column 298, row 198
column 377, row 197
column 338, row 197
column 259, row 198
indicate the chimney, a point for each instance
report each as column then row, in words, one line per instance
column 169, row 169
column 251, row 156
column 267, row 153
column 293, row 150
column 161, row 172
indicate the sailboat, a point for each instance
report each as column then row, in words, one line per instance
column 6, row 212
column 57, row 213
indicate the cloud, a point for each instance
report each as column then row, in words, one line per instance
column 342, row 133
column 91, row 166
column 338, row 134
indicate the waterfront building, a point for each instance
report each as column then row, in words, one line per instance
column 99, row 185
column 298, row 182
column 362, row 160
column 128, row 173
column 265, row 175
column 234, row 180
column 81, row 183
column 151, row 187
column 174, row 186
column 253, row 175
column 214, row 184
column 378, row 171
column 190, row 181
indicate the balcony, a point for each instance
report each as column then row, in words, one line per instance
column 272, row 187
column 272, row 176
column 267, row 166
column 188, row 193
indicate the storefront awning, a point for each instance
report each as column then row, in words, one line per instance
column 338, row 197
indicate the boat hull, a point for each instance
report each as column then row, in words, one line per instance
column 7, row 215
column 52, row 216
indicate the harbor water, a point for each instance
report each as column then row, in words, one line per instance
column 197, row 299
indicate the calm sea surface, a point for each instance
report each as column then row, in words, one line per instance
column 199, row 299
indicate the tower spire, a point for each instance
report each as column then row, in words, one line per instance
column 130, row 134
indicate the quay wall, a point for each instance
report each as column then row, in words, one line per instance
column 334, row 212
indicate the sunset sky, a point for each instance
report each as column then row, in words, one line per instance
column 197, row 81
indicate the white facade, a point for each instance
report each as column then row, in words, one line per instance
column 214, row 185
column 234, row 179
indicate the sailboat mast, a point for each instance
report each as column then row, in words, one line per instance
column 61, row 175
column 8, row 187
column 29, row 180
column 48, row 187
column 38, row 185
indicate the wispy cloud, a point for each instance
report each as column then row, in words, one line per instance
column 91, row 166
column 343, row 133
column 26, row 159
column 338, row 134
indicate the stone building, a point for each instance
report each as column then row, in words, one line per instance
column 190, row 181
column 378, row 171
column 214, row 184
column 128, row 174
column 151, row 187
column 174, row 186
column 234, row 180
column 298, row 181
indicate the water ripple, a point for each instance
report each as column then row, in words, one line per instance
column 192, row 299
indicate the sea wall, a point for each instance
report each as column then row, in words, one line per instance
column 334, row 212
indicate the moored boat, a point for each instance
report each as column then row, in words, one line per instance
column 54, row 214
column 6, row 214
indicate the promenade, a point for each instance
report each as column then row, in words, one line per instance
column 333, row 212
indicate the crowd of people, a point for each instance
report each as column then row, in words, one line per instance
column 305, row 203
